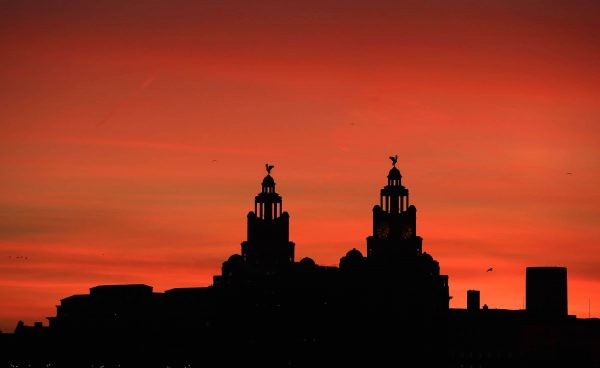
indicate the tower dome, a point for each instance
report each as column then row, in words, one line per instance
column 307, row 262
column 352, row 260
column 268, row 181
column 354, row 255
column 394, row 174
column 268, row 241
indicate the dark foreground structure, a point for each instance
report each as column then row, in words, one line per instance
column 389, row 307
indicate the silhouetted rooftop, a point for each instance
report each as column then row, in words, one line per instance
column 235, row 258
column 354, row 254
column 307, row 261
column 188, row 291
column 74, row 298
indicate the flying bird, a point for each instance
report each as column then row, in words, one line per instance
column 569, row 173
column 269, row 168
column 394, row 160
column 489, row 269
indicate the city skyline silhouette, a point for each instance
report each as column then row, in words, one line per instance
column 389, row 305
column 516, row 304
column 334, row 169
column 130, row 134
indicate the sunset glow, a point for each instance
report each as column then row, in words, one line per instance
column 133, row 138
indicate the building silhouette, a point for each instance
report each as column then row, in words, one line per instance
column 388, row 307
column 473, row 300
column 546, row 291
column 268, row 230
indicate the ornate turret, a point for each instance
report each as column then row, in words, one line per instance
column 394, row 196
column 394, row 221
column 395, row 252
column 268, row 228
column 267, row 204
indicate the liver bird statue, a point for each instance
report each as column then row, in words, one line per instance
column 394, row 160
column 269, row 168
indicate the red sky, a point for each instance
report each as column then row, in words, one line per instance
column 113, row 112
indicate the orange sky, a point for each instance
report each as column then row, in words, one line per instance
column 112, row 112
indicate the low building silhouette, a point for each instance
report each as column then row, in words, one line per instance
column 546, row 291
column 473, row 300
column 389, row 306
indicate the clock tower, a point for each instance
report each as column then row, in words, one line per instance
column 395, row 256
column 394, row 223
column 268, row 243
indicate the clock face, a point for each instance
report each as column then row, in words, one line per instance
column 407, row 232
column 383, row 230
